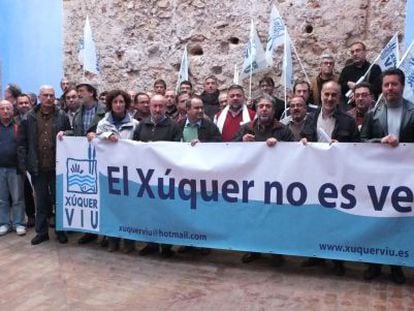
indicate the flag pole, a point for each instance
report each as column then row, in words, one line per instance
column 369, row 69
column 284, row 69
column 405, row 54
column 300, row 62
column 251, row 59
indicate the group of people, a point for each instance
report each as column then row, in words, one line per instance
column 315, row 112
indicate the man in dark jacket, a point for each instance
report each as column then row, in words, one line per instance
column 84, row 121
column 196, row 128
column 264, row 128
column 210, row 96
column 158, row 127
column 11, row 164
column 38, row 143
column 329, row 124
column 359, row 66
column 390, row 123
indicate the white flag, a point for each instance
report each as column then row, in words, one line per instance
column 276, row 34
column 236, row 74
column 287, row 76
column 407, row 66
column 254, row 55
column 183, row 73
column 389, row 56
column 87, row 52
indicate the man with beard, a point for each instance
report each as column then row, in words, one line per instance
column 84, row 121
column 141, row 106
column 172, row 111
column 181, row 114
column 264, row 128
column 234, row 114
column 210, row 96
column 364, row 100
column 390, row 122
column 296, row 119
column 71, row 103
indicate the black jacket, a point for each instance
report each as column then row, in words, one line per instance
column 166, row 130
column 207, row 132
column 345, row 130
column 276, row 130
column 28, row 143
column 353, row 73
column 375, row 123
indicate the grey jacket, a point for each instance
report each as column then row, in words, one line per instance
column 77, row 122
column 375, row 123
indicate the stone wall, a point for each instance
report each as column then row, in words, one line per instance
column 139, row 41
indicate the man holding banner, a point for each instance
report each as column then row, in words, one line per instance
column 329, row 124
column 264, row 128
column 390, row 122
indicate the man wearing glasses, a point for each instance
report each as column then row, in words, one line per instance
column 364, row 100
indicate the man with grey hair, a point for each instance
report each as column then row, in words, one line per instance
column 157, row 127
column 326, row 73
column 38, row 144
column 11, row 165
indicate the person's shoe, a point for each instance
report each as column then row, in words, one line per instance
column 184, row 249
column 278, row 260
column 166, row 252
column 338, row 268
column 372, row 272
column 87, row 238
column 61, row 237
column 249, row 257
column 104, row 241
column 113, row 246
column 129, row 246
column 39, row 238
column 4, row 229
column 312, row 262
column 397, row 275
column 30, row 222
column 20, row 230
column 148, row 249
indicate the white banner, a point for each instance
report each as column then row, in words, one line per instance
column 343, row 201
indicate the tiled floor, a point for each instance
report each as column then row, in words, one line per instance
column 51, row 276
